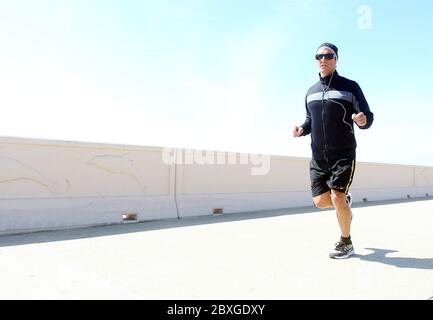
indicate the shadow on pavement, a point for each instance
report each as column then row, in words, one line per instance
column 380, row 255
column 386, row 202
column 145, row 226
column 117, row 229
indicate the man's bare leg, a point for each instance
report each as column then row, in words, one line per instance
column 344, row 213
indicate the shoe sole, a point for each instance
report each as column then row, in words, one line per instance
column 347, row 255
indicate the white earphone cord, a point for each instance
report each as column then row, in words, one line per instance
column 344, row 109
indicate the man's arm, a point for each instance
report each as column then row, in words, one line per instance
column 306, row 126
column 363, row 116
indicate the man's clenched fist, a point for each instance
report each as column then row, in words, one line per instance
column 298, row 131
column 360, row 119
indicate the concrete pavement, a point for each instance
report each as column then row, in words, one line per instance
column 281, row 254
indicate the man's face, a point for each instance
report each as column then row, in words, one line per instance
column 326, row 67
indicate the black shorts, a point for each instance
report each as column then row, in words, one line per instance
column 332, row 174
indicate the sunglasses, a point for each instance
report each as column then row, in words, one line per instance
column 327, row 56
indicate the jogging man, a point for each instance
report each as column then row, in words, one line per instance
column 333, row 105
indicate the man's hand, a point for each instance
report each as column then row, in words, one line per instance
column 360, row 119
column 298, row 131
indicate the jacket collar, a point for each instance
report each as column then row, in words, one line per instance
column 326, row 80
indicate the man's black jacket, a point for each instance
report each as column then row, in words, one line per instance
column 330, row 104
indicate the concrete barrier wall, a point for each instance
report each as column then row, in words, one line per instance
column 233, row 187
column 376, row 181
column 51, row 184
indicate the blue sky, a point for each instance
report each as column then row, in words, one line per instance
column 212, row 74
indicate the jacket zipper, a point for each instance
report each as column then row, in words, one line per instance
column 323, row 125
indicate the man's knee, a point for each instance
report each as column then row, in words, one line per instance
column 323, row 201
column 338, row 198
